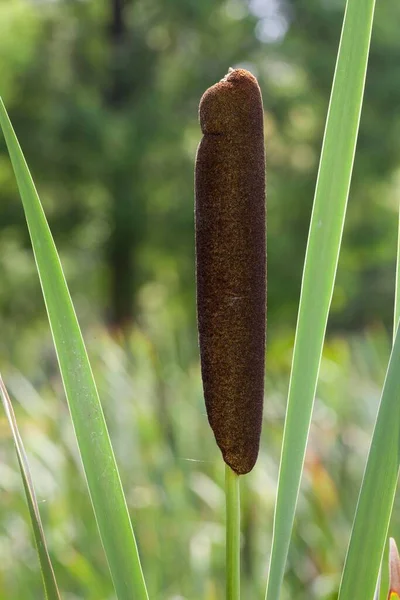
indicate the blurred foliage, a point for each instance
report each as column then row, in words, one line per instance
column 173, row 475
column 104, row 97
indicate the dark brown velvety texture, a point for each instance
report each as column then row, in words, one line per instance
column 231, row 264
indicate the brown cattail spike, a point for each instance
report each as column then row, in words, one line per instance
column 231, row 264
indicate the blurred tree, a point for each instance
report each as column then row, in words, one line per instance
column 124, row 235
column 104, row 97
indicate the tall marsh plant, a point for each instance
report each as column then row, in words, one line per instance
column 231, row 282
column 230, row 241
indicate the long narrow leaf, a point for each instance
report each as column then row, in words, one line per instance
column 397, row 288
column 376, row 498
column 49, row 579
column 87, row 416
column 320, row 268
column 378, row 585
column 382, row 442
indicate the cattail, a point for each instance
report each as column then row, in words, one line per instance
column 231, row 264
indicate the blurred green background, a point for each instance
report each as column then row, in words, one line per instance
column 103, row 95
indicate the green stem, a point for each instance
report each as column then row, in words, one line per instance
column 232, row 491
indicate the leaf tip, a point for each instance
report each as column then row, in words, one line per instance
column 394, row 571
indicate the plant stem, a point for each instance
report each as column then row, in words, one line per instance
column 232, row 491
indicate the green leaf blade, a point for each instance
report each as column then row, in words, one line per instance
column 322, row 255
column 49, row 579
column 396, row 318
column 87, row 416
column 374, row 508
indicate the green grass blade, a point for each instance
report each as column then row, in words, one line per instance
column 378, row 585
column 397, row 290
column 320, row 268
column 49, row 579
column 87, row 416
column 383, row 441
column 378, row 488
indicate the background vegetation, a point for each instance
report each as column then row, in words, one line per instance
column 103, row 96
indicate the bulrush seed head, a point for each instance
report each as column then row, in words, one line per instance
column 231, row 264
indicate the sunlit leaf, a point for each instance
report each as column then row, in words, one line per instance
column 320, row 266
column 87, row 415
column 49, row 579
